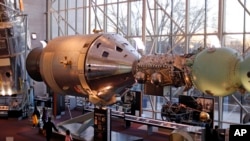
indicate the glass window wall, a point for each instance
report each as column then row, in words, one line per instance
column 163, row 26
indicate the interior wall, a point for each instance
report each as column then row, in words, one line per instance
column 36, row 11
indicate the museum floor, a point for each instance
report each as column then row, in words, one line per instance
column 21, row 130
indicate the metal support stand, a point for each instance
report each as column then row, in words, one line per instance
column 220, row 111
column 150, row 129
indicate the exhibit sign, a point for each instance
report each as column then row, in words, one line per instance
column 102, row 124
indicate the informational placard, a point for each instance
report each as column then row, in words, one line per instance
column 102, row 124
column 239, row 133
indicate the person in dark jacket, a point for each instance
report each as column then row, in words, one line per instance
column 48, row 127
column 216, row 134
column 44, row 115
column 208, row 133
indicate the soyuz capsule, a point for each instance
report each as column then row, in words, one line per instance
column 97, row 65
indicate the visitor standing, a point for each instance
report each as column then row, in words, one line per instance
column 48, row 127
column 44, row 115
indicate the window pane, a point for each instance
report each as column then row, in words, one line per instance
column 112, row 13
column 212, row 15
column 71, row 22
column 197, row 16
column 197, row 41
column 234, row 41
column 248, row 16
column 233, row 12
column 231, row 110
